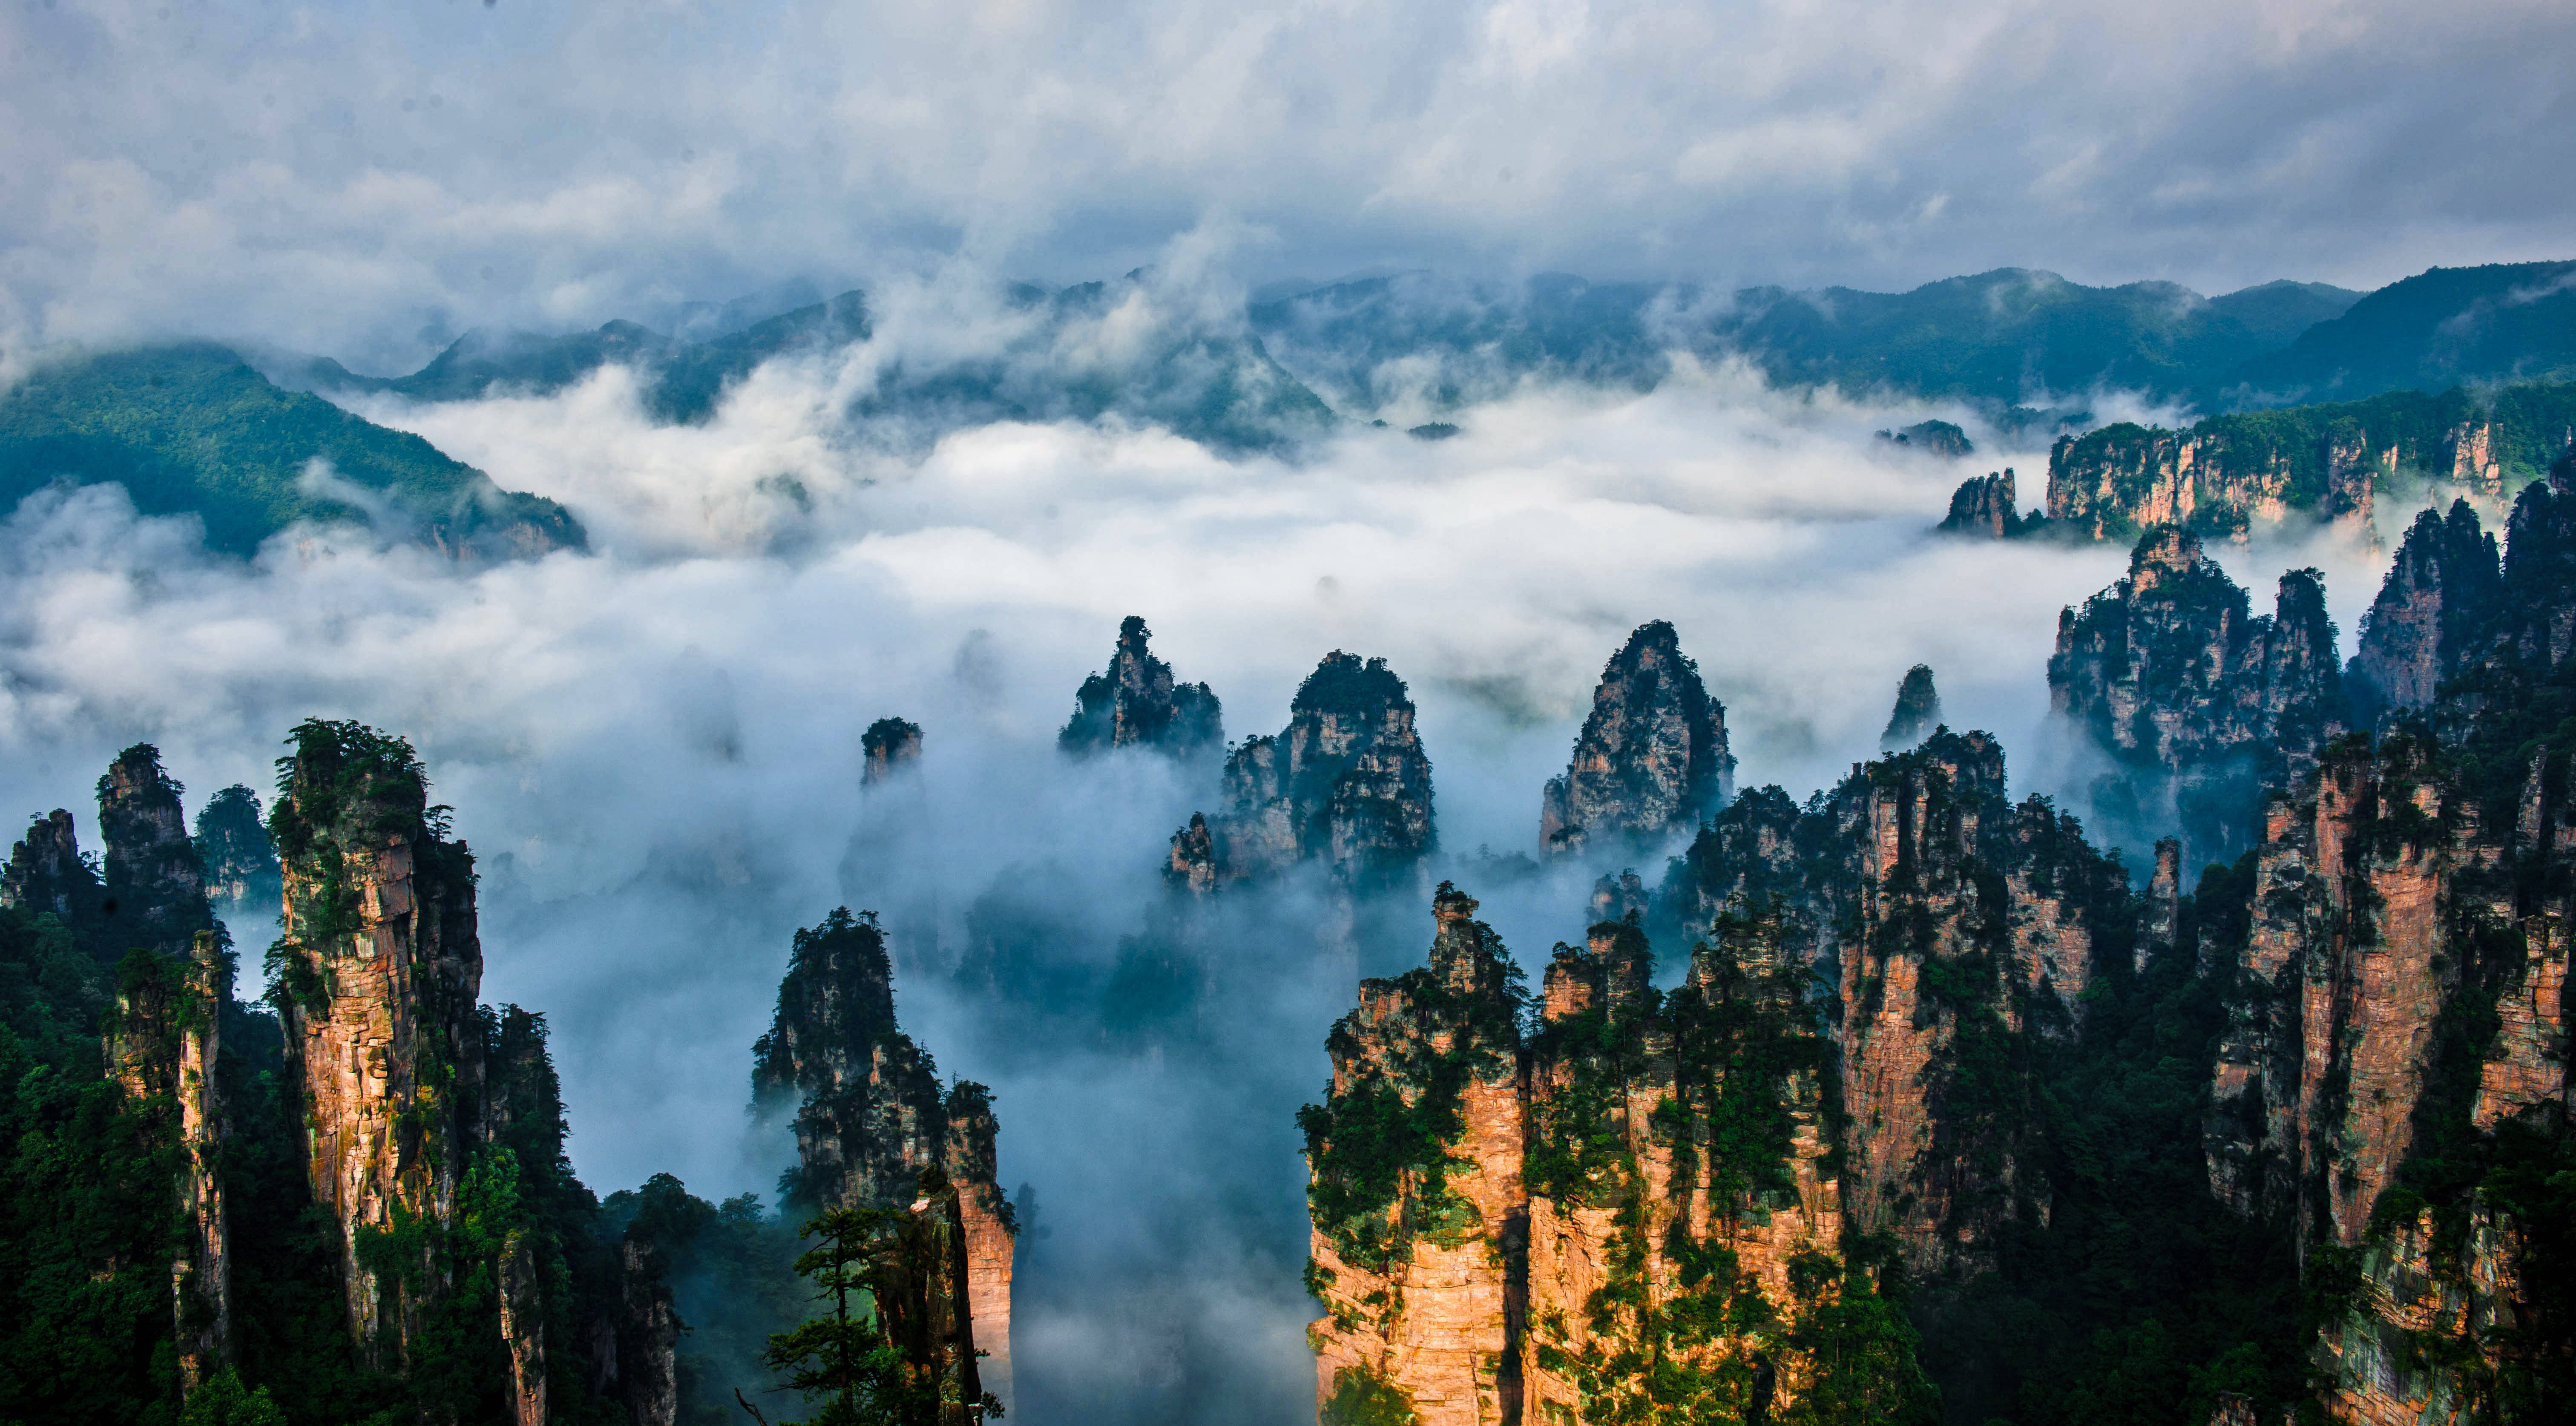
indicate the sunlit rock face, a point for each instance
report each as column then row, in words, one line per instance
column 1652, row 757
column 1504, row 1223
column 2198, row 703
column 2393, row 1079
column 379, row 969
column 1346, row 784
column 2379, row 916
column 873, row 1126
column 1137, row 703
column 1419, row 1213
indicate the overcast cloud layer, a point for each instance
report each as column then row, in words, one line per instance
column 367, row 180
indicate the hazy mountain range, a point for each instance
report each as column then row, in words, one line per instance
column 193, row 427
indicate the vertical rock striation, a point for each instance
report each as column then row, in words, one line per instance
column 1137, row 703
column 1346, row 784
column 1415, row 1187
column 377, row 975
column 873, row 1128
column 1950, row 928
column 1512, row 1228
column 2200, row 703
column 1652, row 757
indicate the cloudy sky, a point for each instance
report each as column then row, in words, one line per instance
column 365, row 179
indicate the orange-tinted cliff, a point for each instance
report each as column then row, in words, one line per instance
column 379, row 966
column 1419, row 1214
column 1631, row 1214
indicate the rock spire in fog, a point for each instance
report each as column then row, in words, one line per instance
column 1917, row 712
column 1346, row 783
column 873, row 1127
column 1652, row 757
column 2441, row 596
column 2200, row 702
column 232, row 847
column 890, row 745
column 1138, row 703
column 1982, row 507
column 155, row 891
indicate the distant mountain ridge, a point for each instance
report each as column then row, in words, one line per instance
column 1998, row 337
column 1293, row 366
column 191, row 428
column 1218, row 387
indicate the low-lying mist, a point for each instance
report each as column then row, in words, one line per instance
column 654, row 750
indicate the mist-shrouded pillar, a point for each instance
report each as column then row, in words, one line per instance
column 874, row 1128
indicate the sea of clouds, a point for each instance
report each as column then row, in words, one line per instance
column 653, row 748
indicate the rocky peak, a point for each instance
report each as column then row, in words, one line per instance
column 1415, row 1186
column 1917, row 711
column 2170, row 673
column 1652, row 757
column 890, row 746
column 1614, row 970
column 2540, row 569
column 162, row 1044
column 1346, row 783
column 1985, row 507
column 155, row 893
column 47, row 874
column 870, row 1113
column 873, row 1128
column 1137, row 702
column 2440, row 595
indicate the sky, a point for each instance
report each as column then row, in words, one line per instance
column 366, row 181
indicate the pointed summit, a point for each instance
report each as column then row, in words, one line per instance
column 1137, row 702
column 1918, row 711
column 1652, row 757
column 1346, row 782
column 2441, row 591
